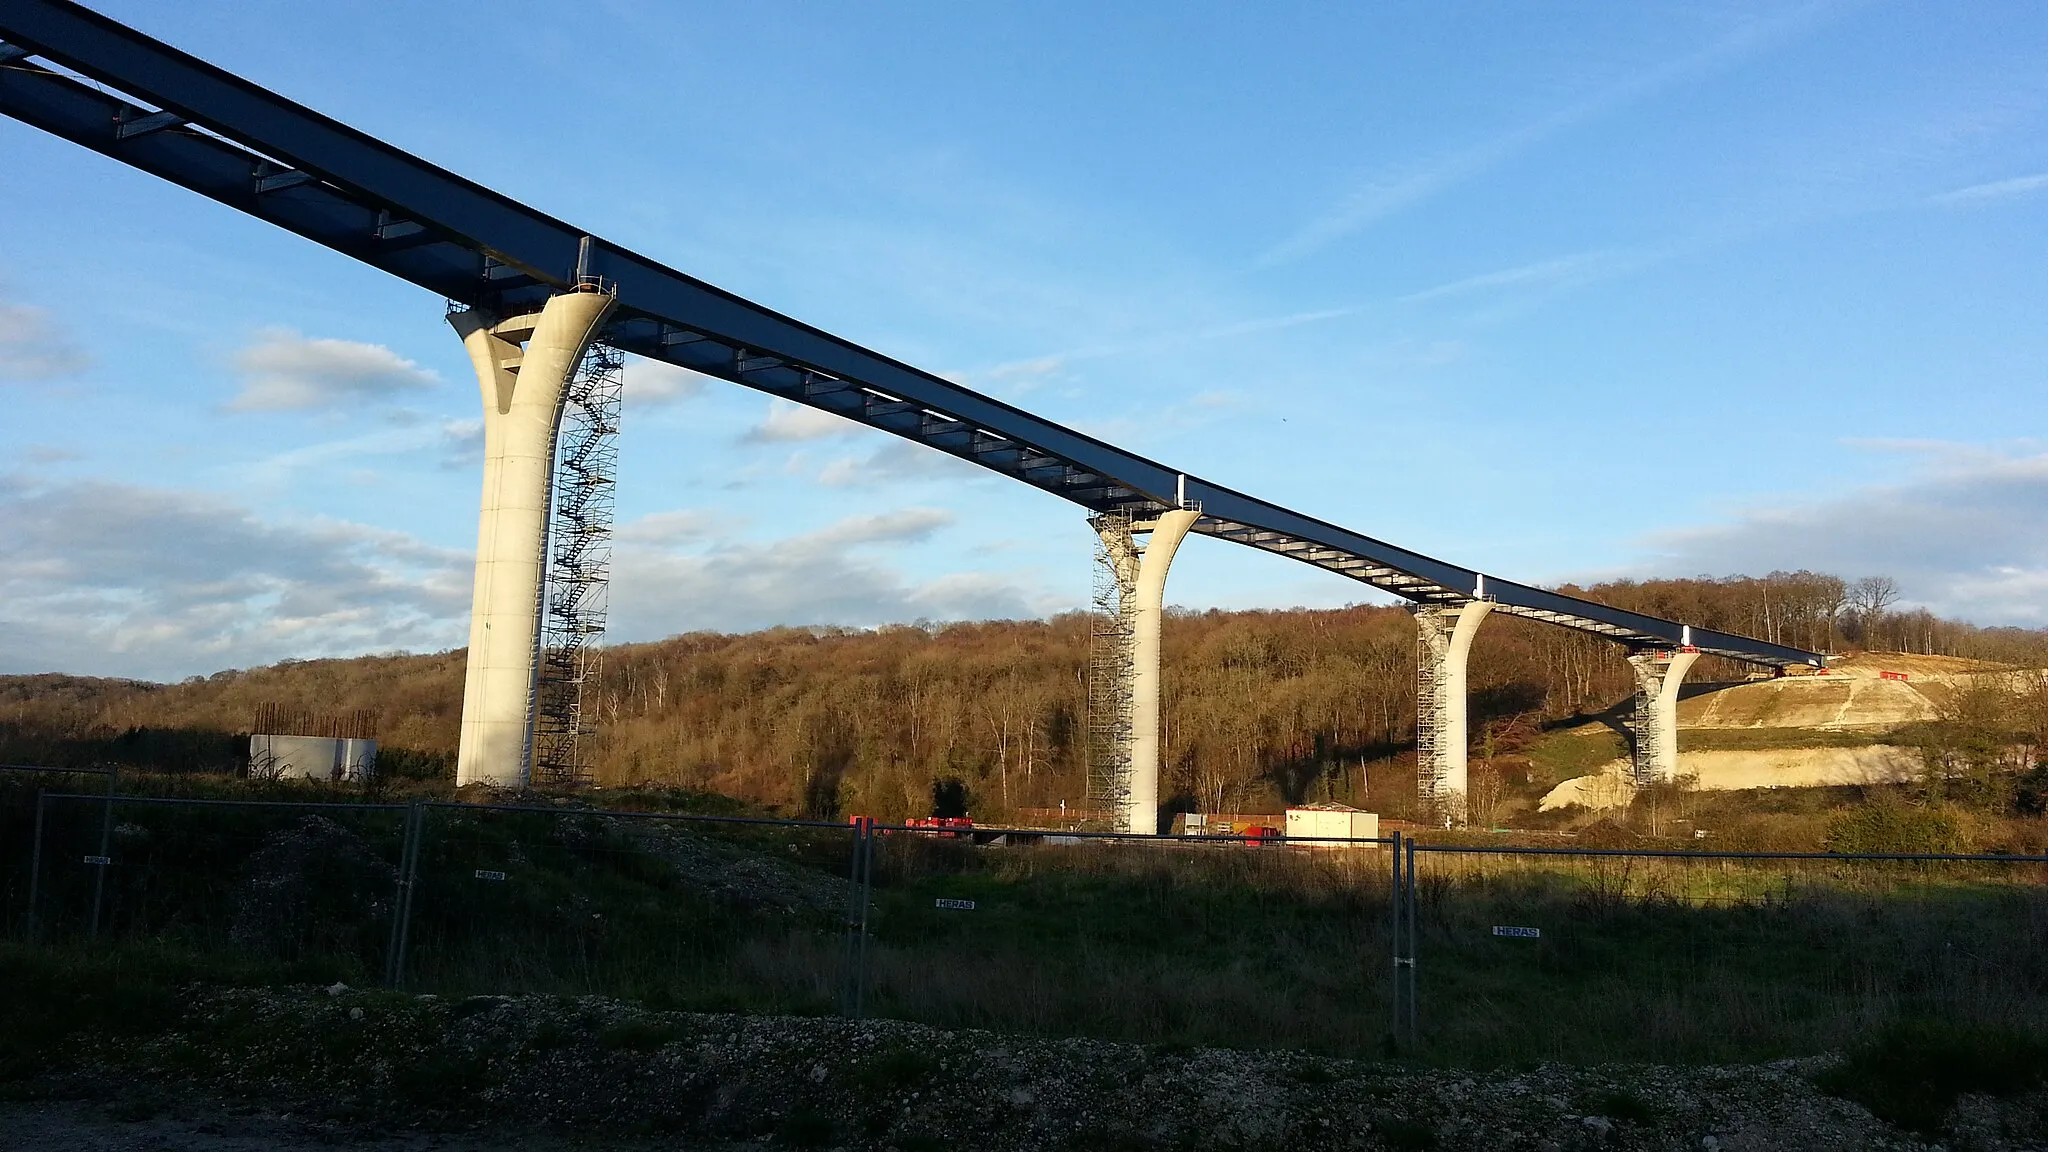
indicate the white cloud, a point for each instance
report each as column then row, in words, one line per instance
column 458, row 444
column 1017, row 376
column 462, row 443
column 116, row 579
column 663, row 529
column 787, row 421
column 897, row 462
column 672, row 575
column 1996, row 190
column 283, row 370
column 33, row 347
column 651, row 383
column 1966, row 535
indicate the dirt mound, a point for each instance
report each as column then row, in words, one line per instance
column 1855, row 693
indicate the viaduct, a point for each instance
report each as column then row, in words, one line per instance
column 533, row 294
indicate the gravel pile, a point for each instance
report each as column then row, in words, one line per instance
column 734, row 876
column 595, row 1066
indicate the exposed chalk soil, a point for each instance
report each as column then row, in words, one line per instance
column 335, row 1067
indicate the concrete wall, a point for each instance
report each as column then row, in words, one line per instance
column 312, row 758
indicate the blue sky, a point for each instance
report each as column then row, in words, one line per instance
column 1560, row 291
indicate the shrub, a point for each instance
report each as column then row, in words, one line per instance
column 1886, row 825
column 1911, row 1073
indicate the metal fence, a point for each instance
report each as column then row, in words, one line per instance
column 1184, row 940
column 1496, row 952
column 1532, row 953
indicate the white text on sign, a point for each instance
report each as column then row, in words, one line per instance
column 486, row 874
column 956, row 905
column 1525, row 933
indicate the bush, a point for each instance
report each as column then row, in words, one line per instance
column 2030, row 797
column 1911, row 1073
column 1887, row 825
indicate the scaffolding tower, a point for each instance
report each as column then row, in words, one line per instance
column 1432, row 700
column 579, row 560
column 1110, row 665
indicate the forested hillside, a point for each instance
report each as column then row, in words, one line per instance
column 1260, row 706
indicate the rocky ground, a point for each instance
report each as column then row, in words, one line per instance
column 307, row 1068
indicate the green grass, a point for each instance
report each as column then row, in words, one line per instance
column 1681, row 961
column 1564, row 753
column 1761, row 739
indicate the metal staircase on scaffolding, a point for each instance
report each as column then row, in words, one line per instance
column 1110, row 662
column 579, row 557
column 1432, row 700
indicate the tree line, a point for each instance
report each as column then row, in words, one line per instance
column 1259, row 707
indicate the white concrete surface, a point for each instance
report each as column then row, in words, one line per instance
column 282, row 757
column 1149, row 605
column 522, row 365
column 1448, row 777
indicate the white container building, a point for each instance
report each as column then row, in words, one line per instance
column 1332, row 820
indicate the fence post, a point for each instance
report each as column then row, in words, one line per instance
column 1394, row 943
column 850, row 948
column 35, row 873
column 398, row 895
column 867, row 892
column 408, row 874
column 99, row 882
column 1414, row 938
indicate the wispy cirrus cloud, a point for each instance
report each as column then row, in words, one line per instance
column 283, row 371
column 1562, row 271
column 453, row 444
column 1995, row 190
column 1393, row 190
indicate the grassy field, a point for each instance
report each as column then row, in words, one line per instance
column 1660, row 961
column 1761, row 739
column 1159, row 943
column 1564, row 753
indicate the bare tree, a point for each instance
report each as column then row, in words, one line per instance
column 1873, row 594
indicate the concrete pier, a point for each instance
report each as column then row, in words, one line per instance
column 1443, row 642
column 523, row 364
column 1141, row 578
column 1659, row 675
